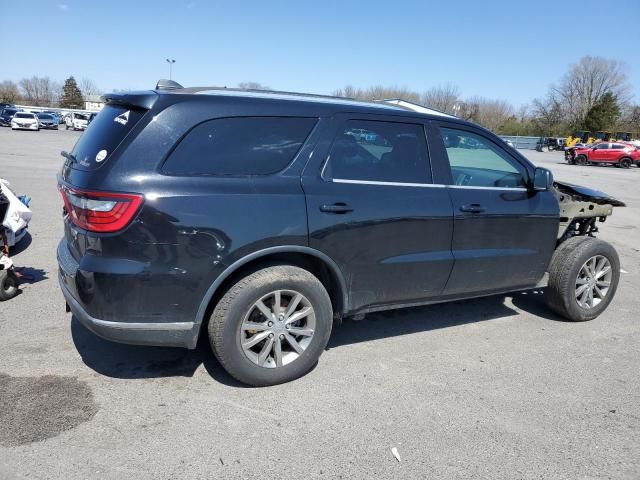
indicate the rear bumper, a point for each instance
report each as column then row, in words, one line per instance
column 168, row 334
column 176, row 334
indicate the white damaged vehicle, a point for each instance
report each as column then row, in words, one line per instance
column 76, row 121
column 25, row 121
column 15, row 222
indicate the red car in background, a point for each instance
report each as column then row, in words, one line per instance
column 615, row 153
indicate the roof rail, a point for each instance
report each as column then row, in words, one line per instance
column 415, row 107
column 164, row 84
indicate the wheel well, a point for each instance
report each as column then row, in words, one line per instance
column 327, row 276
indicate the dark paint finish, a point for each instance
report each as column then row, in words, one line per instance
column 388, row 245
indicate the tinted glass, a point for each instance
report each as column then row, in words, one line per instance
column 602, row 146
column 239, row 146
column 44, row 116
column 617, row 146
column 103, row 136
column 379, row 151
column 24, row 115
column 9, row 111
column 477, row 162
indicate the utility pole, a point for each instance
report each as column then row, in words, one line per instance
column 170, row 62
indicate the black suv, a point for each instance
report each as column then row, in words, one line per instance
column 261, row 217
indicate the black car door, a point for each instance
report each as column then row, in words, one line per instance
column 504, row 231
column 373, row 208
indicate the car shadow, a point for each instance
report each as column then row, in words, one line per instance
column 121, row 361
column 406, row 321
column 118, row 360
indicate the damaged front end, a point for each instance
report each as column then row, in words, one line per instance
column 581, row 208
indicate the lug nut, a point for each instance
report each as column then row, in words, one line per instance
column 287, row 326
column 270, row 324
column 282, row 336
column 271, row 335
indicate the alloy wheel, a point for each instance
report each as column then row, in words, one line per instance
column 277, row 329
column 593, row 281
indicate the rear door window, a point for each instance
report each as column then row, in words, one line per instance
column 239, row 146
column 378, row 151
column 104, row 134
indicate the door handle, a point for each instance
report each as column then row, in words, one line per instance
column 472, row 208
column 338, row 208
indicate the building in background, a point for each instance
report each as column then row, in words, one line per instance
column 93, row 103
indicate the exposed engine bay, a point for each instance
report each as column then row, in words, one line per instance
column 581, row 208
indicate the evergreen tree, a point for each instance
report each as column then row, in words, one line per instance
column 604, row 114
column 71, row 95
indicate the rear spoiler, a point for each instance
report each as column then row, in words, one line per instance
column 144, row 99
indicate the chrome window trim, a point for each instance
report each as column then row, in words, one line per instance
column 390, row 184
column 473, row 187
column 425, row 185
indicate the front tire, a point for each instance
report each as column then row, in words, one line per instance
column 271, row 326
column 581, row 160
column 583, row 278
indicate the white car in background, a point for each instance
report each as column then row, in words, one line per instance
column 76, row 121
column 25, row 121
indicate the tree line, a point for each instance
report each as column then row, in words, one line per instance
column 44, row 92
column 593, row 94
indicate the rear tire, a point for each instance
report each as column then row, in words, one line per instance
column 625, row 163
column 274, row 359
column 570, row 280
column 8, row 285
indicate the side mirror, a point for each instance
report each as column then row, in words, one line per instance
column 542, row 179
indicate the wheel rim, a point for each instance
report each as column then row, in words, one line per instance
column 278, row 328
column 593, row 281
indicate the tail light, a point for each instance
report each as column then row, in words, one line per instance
column 102, row 212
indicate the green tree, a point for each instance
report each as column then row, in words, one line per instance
column 71, row 94
column 604, row 114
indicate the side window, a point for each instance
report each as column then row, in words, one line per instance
column 617, row 146
column 602, row 146
column 379, row 151
column 477, row 162
column 239, row 146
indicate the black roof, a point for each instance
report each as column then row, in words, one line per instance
column 310, row 103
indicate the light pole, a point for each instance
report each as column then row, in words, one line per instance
column 170, row 62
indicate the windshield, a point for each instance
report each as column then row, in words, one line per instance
column 44, row 116
column 80, row 116
column 9, row 111
column 24, row 115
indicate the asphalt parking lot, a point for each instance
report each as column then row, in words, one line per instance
column 491, row 388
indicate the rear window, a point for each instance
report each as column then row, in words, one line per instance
column 103, row 136
column 239, row 146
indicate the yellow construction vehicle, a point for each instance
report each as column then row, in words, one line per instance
column 579, row 136
column 623, row 136
column 603, row 137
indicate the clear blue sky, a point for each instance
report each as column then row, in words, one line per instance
column 496, row 49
